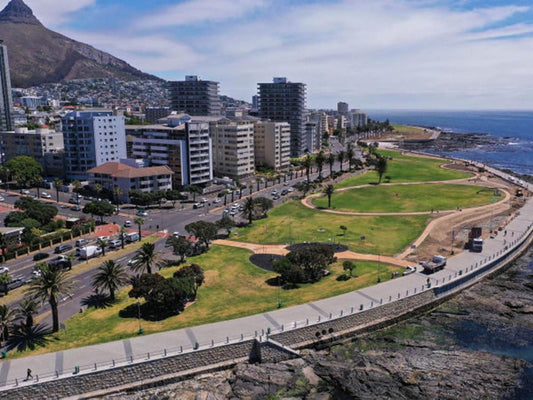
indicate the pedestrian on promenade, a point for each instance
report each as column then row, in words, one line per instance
column 29, row 375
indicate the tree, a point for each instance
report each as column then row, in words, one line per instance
column 195, row 272
column 5, row 173
column 203, row 231
column 248, row 209
column 194, row 190
column 139, row 222
column 349, row 154
column 340, row 156
column 117, row 192
column 122, row 233
column 263, row 204
column 180, row 245
column 76, row 188
column 173, row 196
column 102, row 244
column 307, row 163
column 100, row 208
column 381, row 167
column 98, row 190
column 57, row 185
column 328, row 191
column 25, row 170
column 110, row 276
column 140, row 198
column 145, row 258
column 331, row 161
column 348, row 265
column 320, row 160
column 226, row 223
column 27, row 308
column 52, row 284
column 7, row 319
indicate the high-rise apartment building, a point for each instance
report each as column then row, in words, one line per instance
column 182, row 144
column 342, row 107
column 194, row 96
column 272, row 144
column 92, row 138
column 281, row 101
column 6, row 102
column 233, row 145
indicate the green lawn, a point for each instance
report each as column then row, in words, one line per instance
column 234, row 288
column 406, row 129
column 383, row 235
column 406, row 198
column 404, row 168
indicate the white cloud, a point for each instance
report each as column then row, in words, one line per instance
column 197, row 11
column 55, row 12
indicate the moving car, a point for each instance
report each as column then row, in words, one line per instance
column 2, row 198
column 45, row 195
column 62, row 248
column 40, row 256
column 25, row 191
column 75, row 208
column 4, row 270
column 142, row 214
column 127, row 223
column 115, row 243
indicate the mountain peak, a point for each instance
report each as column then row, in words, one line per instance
column 18, row 12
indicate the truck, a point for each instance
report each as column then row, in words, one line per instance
column 89, row 252
column 436, row 263
column 475, row 243
column 131, row 237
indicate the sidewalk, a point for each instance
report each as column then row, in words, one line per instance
column 219, row 333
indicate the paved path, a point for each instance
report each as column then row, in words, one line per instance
column 218, row 333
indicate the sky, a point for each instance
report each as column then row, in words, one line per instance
column 372, row 54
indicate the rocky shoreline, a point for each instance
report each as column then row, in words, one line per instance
column 469, row 347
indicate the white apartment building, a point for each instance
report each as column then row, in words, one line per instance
column 92, row 138
column 272, row 144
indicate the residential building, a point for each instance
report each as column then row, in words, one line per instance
column 194, row 96
column 272, row 144
column 358, row 118
column 284, row 101
column 153, row 114
column 320, row 118
column 342, row 107
column 312, row 136
column 91, row 138
column 233, row 145
column 39, row 144
column 182, row 144
column 126, row 177
column 6, row 101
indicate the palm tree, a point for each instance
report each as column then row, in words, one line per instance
column 248, row 209
column 194, row 190
column 340, row 157
column 331, row 161
column 57, row 185
column 122, row 232
column 37, row 182
column 52, row 284
column 145, row 258
column 349, row 154
column 76, row 187
column 139, row 222
column 328, row 191
column 7, row 318
column 5, row 176
column 117, row 192
column 102, row 244
column 307, row 164
column 27, row 308
column 381, row 167
column 320, row 160
column 98, row 189
column 110, row 276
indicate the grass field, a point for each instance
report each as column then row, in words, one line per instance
column 383, row 235
column 406, row 129
column 234, row 287
column 404, row 168
column 406, row 198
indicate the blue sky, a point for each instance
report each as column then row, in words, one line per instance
column 415, row 54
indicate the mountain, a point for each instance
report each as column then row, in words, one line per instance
column 38, row 55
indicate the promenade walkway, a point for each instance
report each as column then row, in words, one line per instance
column 205, row 336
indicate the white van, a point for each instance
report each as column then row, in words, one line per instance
column 82, row 242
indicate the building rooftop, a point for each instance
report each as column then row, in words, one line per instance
column 119, row 170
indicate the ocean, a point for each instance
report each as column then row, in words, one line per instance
column 514, row 129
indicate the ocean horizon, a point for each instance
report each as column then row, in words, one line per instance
column 513, row 130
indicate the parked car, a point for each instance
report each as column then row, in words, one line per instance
column 409, row 270
column 45, row 195
column 40, row 256
column 62, row 248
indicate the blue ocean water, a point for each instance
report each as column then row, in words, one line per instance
column 514, row 128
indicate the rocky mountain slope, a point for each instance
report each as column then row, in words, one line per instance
column 38, row 55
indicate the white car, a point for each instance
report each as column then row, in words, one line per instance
column 4, row 270
column 127, row 224
column 45, row 195
column 175, row 234
column 2, row 198
column 25, row 191
column 410, row 269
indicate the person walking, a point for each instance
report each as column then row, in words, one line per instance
column 29, row 375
